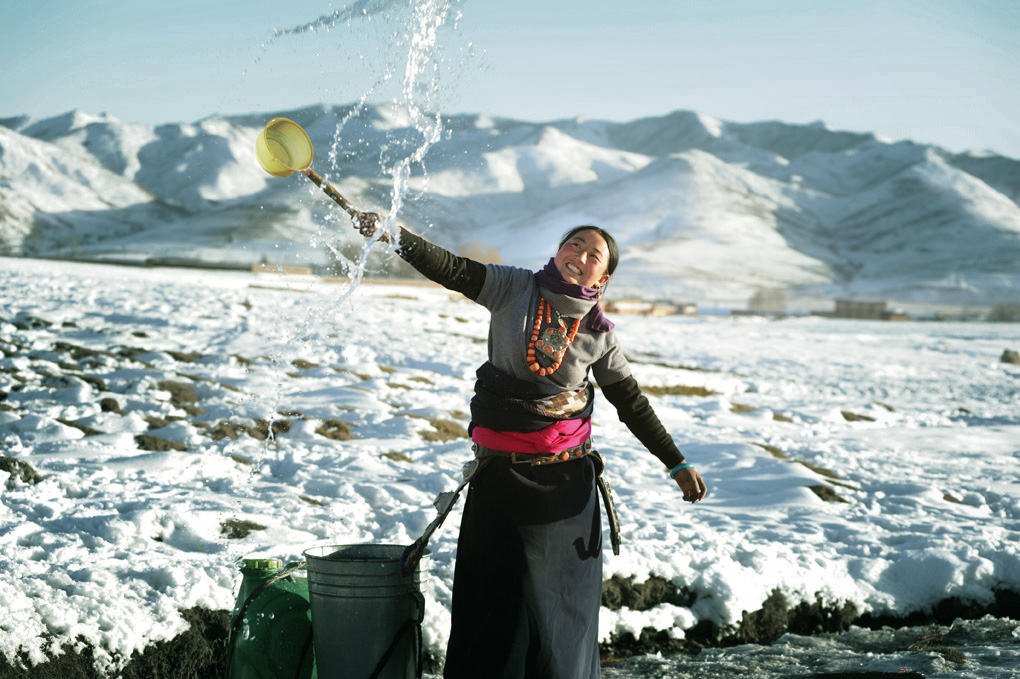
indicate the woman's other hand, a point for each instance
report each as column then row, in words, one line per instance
column 691, row 484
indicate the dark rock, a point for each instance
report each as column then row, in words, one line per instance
column 1010, row 356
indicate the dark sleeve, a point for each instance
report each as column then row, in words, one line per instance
column 634, row 410
column 460, row 274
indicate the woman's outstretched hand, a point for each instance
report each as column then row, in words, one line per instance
column 367, row 223
column 691, row 484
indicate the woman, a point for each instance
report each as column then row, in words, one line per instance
column 528, row 578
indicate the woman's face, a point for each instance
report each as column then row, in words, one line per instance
column 584, row 259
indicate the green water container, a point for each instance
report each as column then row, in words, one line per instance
column 271, row 625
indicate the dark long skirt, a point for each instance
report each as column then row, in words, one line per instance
column 528, row 580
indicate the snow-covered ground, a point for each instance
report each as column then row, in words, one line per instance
column 120, row 534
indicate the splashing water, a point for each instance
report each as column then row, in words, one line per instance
column 356, row 10
column 417, row 38
column 416, row 67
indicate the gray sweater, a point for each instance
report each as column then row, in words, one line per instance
column 511, row 295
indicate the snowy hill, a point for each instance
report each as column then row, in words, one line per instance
column 704, row 209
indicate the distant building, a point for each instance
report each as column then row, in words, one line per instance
column 856, row 308
column 292, row 269
column 635, row 305
column 875, row 310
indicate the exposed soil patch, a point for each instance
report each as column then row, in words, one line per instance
column 826, row 493
column 855, row 417
column 262, row 428
column 445, row 430
column 620, row 593
column 201, row 651
column 197, row 653
column 19, row 471
column 774, row 451
column 158, row 444
column 180, row 393
column 185, row 356
column 678, row 390
column 225, row 430
column 158, row 422
column 337, row 430
column 235, row 529
column 83, row 428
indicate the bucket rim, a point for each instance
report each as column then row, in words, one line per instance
column 360, row 552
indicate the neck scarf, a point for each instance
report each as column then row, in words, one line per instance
column 551, row 279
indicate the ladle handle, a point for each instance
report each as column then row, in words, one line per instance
column 365, row 222
column 330, row 191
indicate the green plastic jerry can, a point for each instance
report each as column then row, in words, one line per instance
column 271, row 625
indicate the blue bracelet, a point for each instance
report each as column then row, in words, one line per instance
column 674, row 470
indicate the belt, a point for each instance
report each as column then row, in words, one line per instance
column 445, row 502
column 483, row 454
column 533, row 459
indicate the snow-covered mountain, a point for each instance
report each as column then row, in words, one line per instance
column 703, row 209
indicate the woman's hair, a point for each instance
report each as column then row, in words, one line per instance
column 614, row 250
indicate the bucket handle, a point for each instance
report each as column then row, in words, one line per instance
column 419, row 600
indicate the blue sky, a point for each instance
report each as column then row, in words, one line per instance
column 939, row 71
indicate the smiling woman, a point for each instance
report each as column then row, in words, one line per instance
column 531, row 523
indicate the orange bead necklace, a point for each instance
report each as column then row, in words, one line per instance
column 554, row 342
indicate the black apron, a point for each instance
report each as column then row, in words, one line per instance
column 528, row 576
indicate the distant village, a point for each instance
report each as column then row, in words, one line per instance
column 850, row 308
column 845, row 308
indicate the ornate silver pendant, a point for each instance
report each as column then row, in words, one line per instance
column 553, row 341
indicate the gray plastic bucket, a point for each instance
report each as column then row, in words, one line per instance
column 364, row 612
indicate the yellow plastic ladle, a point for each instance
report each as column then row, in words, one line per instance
column 284, row 148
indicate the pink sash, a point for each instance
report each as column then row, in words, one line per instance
column 556, row 437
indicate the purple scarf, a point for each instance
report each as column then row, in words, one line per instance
column 551, row 279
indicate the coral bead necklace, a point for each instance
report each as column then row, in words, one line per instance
column 554, row 342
